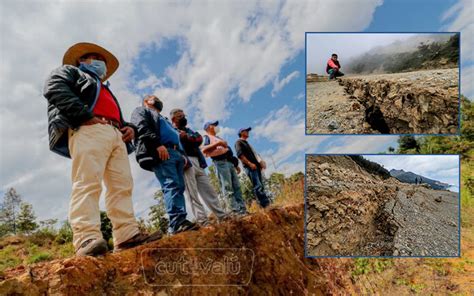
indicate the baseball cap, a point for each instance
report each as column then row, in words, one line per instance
column 207, row 124
column 244, row 129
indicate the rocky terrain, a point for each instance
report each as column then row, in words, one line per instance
column 354, row 212
column 420, row 102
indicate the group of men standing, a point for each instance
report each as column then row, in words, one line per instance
column 85, row 123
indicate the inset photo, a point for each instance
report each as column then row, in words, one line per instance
column 382, row 206
column 382, row 83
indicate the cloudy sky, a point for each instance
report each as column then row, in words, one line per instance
column 240, row 62
column 444, row 168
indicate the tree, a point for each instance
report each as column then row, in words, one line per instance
column 9, row 211
column 65, row 233
column 274, row 184
column 26, row 219
column 105, row 226
column 214, row 178
column 247, row 188
column 408, row 145
column 157, row 215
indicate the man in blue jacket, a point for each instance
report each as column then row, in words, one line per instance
column 161, row 142
column 85, row 123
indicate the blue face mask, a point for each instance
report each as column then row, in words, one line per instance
column 96, row 66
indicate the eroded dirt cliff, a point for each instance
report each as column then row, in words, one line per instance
column 351, row 212
column 421, row 102
column 274, row 265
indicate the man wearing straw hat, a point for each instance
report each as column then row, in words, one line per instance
column 85, row 123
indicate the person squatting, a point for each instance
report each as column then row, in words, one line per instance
column 85, row 124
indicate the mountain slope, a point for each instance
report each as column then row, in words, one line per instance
column 410, row 177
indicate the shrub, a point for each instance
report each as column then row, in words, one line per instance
column 41, row 256
column 8, row 258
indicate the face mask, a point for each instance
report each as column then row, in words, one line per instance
column 217, row 129
column 96, row 66
column 158, row 105
column 183, row 122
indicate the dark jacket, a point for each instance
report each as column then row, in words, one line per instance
column 71, row 94
column 147, row 137
column 191, row 145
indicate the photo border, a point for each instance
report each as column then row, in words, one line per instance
column 378, row 32
column 459, row 253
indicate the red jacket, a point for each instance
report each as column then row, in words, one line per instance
column 332, row 65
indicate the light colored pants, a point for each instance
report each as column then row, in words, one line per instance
column 99, row 154
column 198, row 184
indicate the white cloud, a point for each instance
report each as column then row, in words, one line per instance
column 280, row 84
column 299, row 96
column 459, row 19
column 467, row 81
column 229, row 51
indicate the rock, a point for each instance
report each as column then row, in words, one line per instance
column 438, row 199
column 355, row 106
column 322, row 208
column 333, row 125
column 324, row 166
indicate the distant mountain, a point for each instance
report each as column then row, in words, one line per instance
column 409, row 177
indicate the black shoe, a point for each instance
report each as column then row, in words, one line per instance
column 92, row 247
column 185, row 226
column 138, row 239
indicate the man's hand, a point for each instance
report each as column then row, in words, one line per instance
column 252, row 166
column 223, row 143
column 163, row 153
column 263, row 164
column 237, row 168
column 94, row 120
column 128, row 134
column 183, row 134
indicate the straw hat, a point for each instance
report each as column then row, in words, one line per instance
column 72, row 55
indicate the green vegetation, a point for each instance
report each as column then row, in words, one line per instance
column 371, row 167
column 366, row 266
column 157, row 219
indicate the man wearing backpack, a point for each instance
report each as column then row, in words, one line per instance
column 159, row 150
column 227, row 166
column 85, row 123
column 196, row 180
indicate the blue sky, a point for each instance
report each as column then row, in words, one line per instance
column 240, row 62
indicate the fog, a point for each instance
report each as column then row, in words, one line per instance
column 320, row 46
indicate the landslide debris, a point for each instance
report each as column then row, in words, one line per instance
column 355, row 210
column 421, row 102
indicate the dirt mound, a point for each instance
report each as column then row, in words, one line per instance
column 352, row 212
column 269, row 246
column 421, row 102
